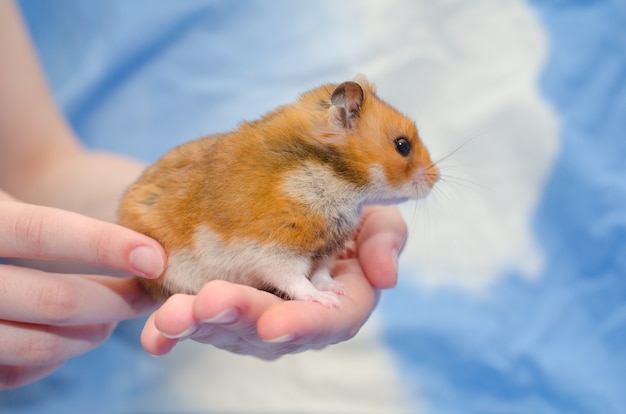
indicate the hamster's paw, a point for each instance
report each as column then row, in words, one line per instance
column 322, row 280
column 349, row 250
column 304, row 290
column 328, row 299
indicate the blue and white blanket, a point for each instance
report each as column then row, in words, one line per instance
column 512, row 292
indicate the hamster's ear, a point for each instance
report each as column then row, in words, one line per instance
column 365, row 83
column 346, row 102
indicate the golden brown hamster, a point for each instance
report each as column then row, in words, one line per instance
column 271, row 203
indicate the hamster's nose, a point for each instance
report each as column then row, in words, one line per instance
column 424, row 179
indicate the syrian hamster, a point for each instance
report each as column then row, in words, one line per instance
column 271, row 203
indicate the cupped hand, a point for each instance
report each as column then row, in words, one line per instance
column 244, row 320
column 47, row 318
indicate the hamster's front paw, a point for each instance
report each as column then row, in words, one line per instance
column 349, row 250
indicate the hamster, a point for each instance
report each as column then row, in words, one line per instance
column 271, row 203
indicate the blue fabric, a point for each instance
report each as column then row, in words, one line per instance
column 558, row 344
column 140, row 77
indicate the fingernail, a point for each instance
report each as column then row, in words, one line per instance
column 394, row 258
column 146, row 261
column 184, row 334
column 225, row 316
column 281, row 339
column 157, row 355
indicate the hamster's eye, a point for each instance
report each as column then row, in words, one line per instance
column 403, row 146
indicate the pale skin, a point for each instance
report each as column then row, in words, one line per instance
column 58, row 201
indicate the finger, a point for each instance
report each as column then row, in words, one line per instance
column 36, row 232
column 380, row 240
column 228, row 314
column 175, row 319
column 222, row 314
column 311, row 323
column 17, row 376
column 221, row 302
column 33, row 296
column 4, row 196
column 153, row 341
column 40, row 345
column 218, row 304
column 169, row 324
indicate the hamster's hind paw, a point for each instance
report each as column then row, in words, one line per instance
column 328, row 299
column 322, row 280
column 310, row 293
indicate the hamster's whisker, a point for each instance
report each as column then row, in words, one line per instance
column 458, row 180
column 455, row 150
column 431, row 166
column 438, row 191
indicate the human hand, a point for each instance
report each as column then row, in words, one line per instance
column 244, row 320
column 47, row 318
